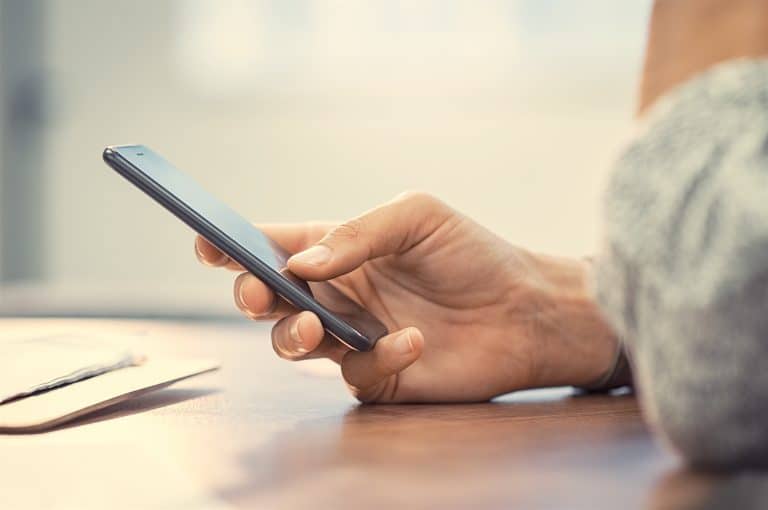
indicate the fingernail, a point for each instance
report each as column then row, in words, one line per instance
column 198, row 253
column 239, row 294
column 296, row 337
column 403, row 343
column 220, row 261
column 243, row 306
column 314, row 256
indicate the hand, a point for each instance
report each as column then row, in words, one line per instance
column 471, row 316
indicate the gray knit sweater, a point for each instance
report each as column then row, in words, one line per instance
column 684, row 271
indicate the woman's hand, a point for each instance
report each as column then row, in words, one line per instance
column 471, row 316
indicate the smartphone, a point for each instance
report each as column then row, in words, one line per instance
column 341, row 317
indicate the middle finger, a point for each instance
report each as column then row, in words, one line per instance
column 301, row 336
column 258, row 301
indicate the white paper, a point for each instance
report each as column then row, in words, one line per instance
column 30, row 364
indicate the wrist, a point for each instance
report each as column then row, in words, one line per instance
column 574, row 344
column 687, row 37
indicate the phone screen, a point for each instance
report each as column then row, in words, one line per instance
column 150, row 170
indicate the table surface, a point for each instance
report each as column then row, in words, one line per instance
column 265, row 433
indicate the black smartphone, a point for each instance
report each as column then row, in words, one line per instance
column 342, row 317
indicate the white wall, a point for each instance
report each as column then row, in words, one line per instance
column 307, row 109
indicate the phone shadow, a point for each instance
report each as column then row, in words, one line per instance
column 141, row 404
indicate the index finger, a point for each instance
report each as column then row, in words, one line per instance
column 296, row 237
column 292, row 237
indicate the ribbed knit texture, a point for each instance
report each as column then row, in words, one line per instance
column 684, row 271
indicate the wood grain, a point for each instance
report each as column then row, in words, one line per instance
column 262, row 434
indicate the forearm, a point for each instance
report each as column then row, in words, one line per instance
column 687, row 37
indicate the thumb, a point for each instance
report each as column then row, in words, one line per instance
column 392, row 228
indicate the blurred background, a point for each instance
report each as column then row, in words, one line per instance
column 292, row 110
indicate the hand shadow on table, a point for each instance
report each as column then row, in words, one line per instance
column 140, row 404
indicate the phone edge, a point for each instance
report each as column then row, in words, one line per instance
column 338, row 328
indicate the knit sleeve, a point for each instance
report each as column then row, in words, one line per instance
column 683, row 273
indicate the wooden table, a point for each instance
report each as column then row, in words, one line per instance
column 263, row 433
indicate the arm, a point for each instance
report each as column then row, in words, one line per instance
column 683, row 273
column 687, row 37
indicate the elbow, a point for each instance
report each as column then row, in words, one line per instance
column 709, row 408
column 714, row 439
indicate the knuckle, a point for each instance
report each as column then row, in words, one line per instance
column 377, row 393
column 351, row 230
column 428, row 210
column 368, row 395
column 363, row 396
column 417, row 198
column 420, row 203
